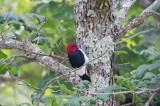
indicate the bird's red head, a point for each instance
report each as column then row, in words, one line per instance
column 71, row 47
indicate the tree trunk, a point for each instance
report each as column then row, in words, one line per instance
column 95, row 35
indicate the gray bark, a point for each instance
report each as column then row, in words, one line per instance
column 95, row 35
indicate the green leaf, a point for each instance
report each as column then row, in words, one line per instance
column 157, row 42
column 121, row 97
column 40, row 18
column 65, row 90
column 130, row 85
column 108, row 89
column 93, row 101
column 27, row 27
column 103, row 97
column 3, row 69
column 11, row 16
column 141, row 71
column 150, row 50
column 154, row 65
column 42, row 40
column 18, row 37
column 14, row 69
column 2, row 55
column 45, row 101
column 54, row 103
column 120, row 80
column 2, row 19
column 83, row 84
column 34, row 97
column 15, row 24
column 149, row 76
column 83, row 99
column 72, row 102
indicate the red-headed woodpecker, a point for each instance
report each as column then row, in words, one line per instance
column 78, row 60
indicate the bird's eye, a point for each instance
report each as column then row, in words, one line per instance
column 73, row 46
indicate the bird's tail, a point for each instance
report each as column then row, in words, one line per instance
column 85, row 77
column 83, row 74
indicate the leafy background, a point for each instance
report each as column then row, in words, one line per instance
column 132, row 66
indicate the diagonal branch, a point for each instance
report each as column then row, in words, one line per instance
column 122, row 13
column 137, row 34
column 138, row 20
column 150, row 99
column 35, row 52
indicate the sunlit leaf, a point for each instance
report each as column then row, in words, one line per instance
column 14, row 68
column 2, row 55
column 3, row 69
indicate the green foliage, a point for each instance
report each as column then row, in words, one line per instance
column 14, row 69
column 71, row 102
column 3, row 69
column 83, row 84
column 2, row 55
column 125, row 82
column 93, row 101
column 152, row 52
column 146, row 75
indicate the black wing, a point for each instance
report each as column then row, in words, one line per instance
column 76, row 59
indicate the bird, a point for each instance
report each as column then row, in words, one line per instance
column 78, row 60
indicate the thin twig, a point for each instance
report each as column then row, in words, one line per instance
column 141, row 32
column 24, row 83
column 122, row 64
column 138, row 20
column 154, row 12
column 4, row 31
column 150, row 99
column 127, row 92
column 46, row 86
column 39, row 30
column 29, row 85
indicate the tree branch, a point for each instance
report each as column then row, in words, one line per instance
column 138, row 20
column 35, row 52
column 136, row 34
column 125, row 92
column 122, row 13
column 150, row 99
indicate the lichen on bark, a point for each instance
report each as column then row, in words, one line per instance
column 94, row 29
